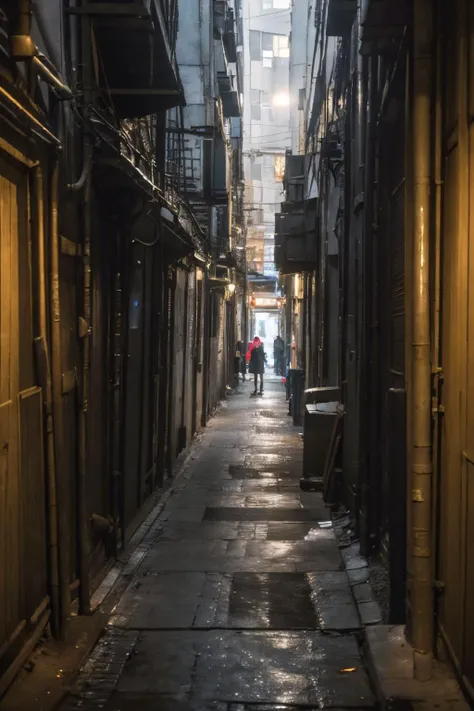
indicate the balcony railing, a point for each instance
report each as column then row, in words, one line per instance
column 133, row 42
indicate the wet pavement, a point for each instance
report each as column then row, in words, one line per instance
column 241, row 602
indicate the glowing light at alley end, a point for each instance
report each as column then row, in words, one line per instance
column 281, row 99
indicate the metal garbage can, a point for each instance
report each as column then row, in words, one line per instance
column 297, row 390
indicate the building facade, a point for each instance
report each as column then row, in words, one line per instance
column 385, row 150
column 267, row 134
column 122, row 272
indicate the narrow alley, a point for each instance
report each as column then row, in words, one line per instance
column 241, row 599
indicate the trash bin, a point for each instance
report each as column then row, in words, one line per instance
column 296, row 390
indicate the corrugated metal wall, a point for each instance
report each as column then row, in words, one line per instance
column 456, row 494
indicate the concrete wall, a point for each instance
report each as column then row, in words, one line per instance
column 266, row 124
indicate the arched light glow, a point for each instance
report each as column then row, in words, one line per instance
column 281, row 99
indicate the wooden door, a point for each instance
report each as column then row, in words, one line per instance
column 23, row 545
column 10, row 612
column 468, row 451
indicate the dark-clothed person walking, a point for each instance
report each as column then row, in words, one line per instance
column 257, row 363
column 239, row 362
column 278, row 355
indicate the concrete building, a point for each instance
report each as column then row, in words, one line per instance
column 122, row 286
column 384, row 272
column 267, row 133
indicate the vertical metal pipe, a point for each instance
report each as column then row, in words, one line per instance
column 83, row 527
column 367, row 384
column 44, row 373
column 207, row 348
column 84, row 180
column 436, row 275
column 421, row 455
column 56, row 378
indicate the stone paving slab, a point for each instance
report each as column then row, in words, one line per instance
column 185, row 600
column 252, row 667
column 261, row 513
column 239, row 601
column 194, row 497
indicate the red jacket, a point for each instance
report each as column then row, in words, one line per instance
column 252, row 345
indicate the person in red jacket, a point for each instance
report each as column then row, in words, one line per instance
column 252, row 344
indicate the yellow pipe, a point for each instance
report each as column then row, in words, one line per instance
column 30, row 116
column 45, row 378
column 56, row 373
column 421, row 454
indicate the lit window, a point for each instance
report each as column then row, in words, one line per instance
column 267, row 62
column 281, row 47
column 279, row 168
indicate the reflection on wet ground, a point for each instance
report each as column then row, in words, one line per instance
column 241, row 602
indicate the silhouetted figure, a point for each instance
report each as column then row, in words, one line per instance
column 239, row 362
column 257, row 363
column 278, row 355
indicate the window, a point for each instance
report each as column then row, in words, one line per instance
column 254, row 96
column 268, row 176
column 274, row 46
column 256, row 171
column 279, row 168
column 254, row 45
column 268, row 115
column 267, row 57
column 281, row 47
column 267, row 49
column 269, row 252
column 267, row 41
column 255, row 112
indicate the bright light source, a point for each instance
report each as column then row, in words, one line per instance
column 281, row 99
column 231, row 288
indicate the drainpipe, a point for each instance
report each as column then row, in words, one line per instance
column 84, row 327
column 44, row 375
column 86, row 169
column 206, row 348
column 56, row 377
column 51, row 77
column 24, row 49
column 421, row 454
column 367, row 504
column 22, row 46
column 84, row 333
